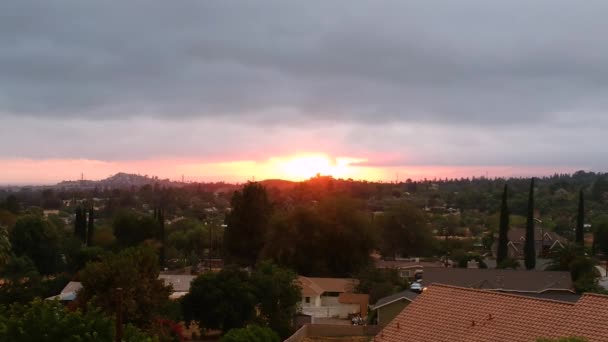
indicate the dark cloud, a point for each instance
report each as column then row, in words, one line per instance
column 511, row 75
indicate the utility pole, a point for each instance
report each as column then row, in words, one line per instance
column 118, row 314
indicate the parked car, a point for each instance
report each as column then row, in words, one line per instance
column 416, row 286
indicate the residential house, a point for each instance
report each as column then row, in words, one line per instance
column 448, row 313
column 517, row 239
column 410, row 269
column 179, row 282
column 543, row 284
column 331, row 297
column 389, row 307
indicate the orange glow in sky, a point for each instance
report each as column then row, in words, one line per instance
column 296, row 167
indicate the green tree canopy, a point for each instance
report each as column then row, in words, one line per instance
column 404, row 231
column 38, row 240
column 332, row 238
column 503, row 230
column 251, row 333
column 135, row 270
column 277, row 295
column 223, row 300
column 247, row 224
column 50, row 321
column 131, row 229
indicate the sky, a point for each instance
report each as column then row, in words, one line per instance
column 237, row 90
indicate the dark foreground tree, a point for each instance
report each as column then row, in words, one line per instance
column 251, row 333
column 529, row 248
column 37, row 239
column 277, row 294
column 223, row 300
column 404, row 232
column 331, row 239
column 80, row 224
column 131, row 229
column 135, row 270
column 503, row 230
column 247, row 224
column 91, row 227
column 49, row 321
column 580, row 220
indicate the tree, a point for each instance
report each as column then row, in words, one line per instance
column 529, row 252
column 251, row 333
column 379, row 283
column 11, row 204
column 404, row 231
column 49, row 321
column 331, row 238
column 39, row 240
column 5, row 247
column 91, row 227
column 80, row 224
column 135, row 270
column 21, row 281
column 277, row 295
column 247, row 224
column 160, row 217
column 223, row 300
column 600, row 240
column 131, row 229
column 503, row 230
column 580, row 220
column 600, row 189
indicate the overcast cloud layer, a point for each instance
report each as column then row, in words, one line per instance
column 396, row 82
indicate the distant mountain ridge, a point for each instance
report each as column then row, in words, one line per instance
column 124, row 180
column 119, row 181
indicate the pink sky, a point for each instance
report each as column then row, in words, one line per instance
column 300, row 167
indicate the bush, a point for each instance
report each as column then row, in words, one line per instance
column 509, row 263
column 251, row 333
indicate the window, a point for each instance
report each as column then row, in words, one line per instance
column 307, row 300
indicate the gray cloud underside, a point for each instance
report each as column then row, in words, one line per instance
column 532, row 71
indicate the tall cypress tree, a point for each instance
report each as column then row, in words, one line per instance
column 77, row 222
column 529, row 248
column 80, row 224
column 160, row 216
column 91, row 227
column 503, row 238
column 580, row 220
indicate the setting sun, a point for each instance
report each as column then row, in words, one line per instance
column 304, row 167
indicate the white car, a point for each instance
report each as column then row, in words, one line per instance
column 416, row 286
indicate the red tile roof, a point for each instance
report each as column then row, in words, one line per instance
column 317, row 286
column 446, row 313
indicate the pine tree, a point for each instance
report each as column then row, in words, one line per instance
column 529, row 248
column 91, row 227
column 580, row 220
column 503, row 238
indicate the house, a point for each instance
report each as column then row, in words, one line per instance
column 407, row 268
column 517, row 239
column 545, row 284
column 331, row 297
column 179, row 282
column 448, row 313
column 69, row 292
column 389, row 307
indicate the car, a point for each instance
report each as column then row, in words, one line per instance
column 416, row 286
